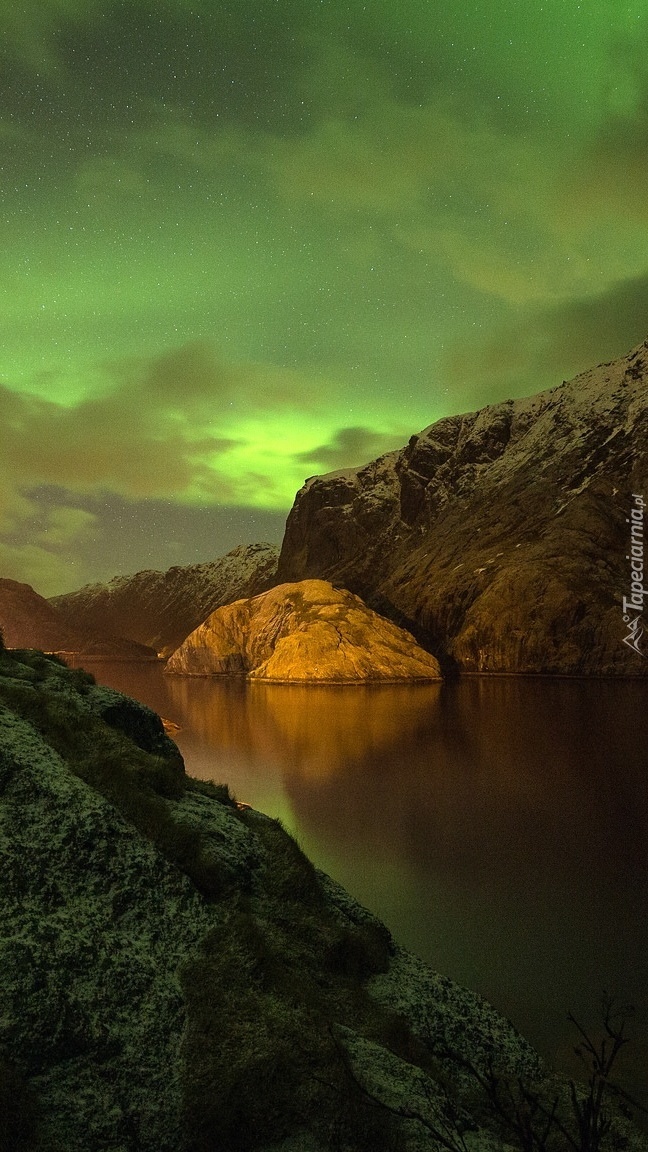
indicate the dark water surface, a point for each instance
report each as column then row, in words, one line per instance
column 498, row 826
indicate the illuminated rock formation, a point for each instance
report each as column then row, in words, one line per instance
column 307, row 631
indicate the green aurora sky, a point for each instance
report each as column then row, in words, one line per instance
column 243, row 243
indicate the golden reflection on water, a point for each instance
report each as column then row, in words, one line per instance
column 220, row 713
column 327, row 730
column 314, row 730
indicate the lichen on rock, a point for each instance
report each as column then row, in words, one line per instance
column 95, row 925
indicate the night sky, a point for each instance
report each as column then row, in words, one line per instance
column 243, row 243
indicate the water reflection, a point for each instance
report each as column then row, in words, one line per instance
column 506, row 777
column 325, row 731
column 499, row 826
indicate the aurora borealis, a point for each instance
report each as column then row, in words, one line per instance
column 245, row 243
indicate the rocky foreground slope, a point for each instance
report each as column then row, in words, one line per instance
column 500, row 538
column 28, row 620
column 305, row 632
column 161, row 608
column 175, row 976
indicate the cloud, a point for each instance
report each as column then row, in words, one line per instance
column 131, row 440
column 595, row 327
column 558, row 342
column 501, row 212
column 162, row 430
column 386, row 160
column 39, row 545
column 110, row 63
column 46, row 571
column 351, row 447
column 30, row 31
column 176, row 426
column 111, row 183
column 113, row 444
column 117, row 536
column 180, row 430
column 183, row 427
column 610, row 172
column 66, row 526
column 334, row 138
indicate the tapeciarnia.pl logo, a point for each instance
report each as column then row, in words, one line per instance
column 633, row 604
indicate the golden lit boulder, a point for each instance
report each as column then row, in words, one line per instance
column 307, row 631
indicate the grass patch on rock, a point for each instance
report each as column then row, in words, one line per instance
column 141, row 784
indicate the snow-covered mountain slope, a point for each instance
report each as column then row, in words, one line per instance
column 161, row 608
column 501, row 537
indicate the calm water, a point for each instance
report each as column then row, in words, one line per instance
column 498, row 826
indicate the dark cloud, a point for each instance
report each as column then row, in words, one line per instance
column 557, row 343
column 110, row 66
column 610, row 176
column 89, row 76
column 351, row 447
column 129, row 535
column 114, row 442
column 144, row 471
column 193, row 372
column 153, row 433
column 595, row 328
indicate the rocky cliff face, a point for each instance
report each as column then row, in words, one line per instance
column 175, row 976
column 161, row 608
column 28, row 620
column 307, row 631
column 499, row 537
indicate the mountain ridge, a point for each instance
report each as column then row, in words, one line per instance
column 161, row 608
column 28, row 620
column 497, row 537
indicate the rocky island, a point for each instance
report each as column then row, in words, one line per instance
column 307, row 632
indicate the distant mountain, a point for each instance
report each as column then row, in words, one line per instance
column 161, row 608
column 308, row 631
column 27, row 620
column 500, row 538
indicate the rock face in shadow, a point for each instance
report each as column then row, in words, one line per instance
column 161, row 608
column 28, row 620
column 499, row 538
column 307, row 631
